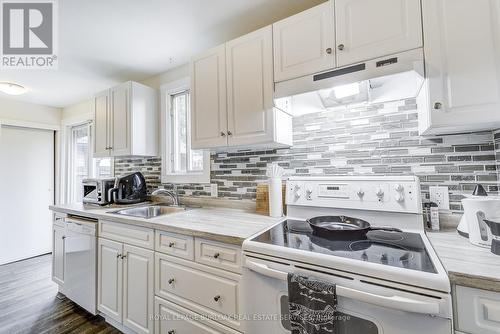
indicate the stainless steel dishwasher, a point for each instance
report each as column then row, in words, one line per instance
column 80, row 284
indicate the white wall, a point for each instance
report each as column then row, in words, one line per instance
column 28, row 112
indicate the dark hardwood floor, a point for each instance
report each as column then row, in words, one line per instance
column 28, row 302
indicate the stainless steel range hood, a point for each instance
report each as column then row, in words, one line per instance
column 390, row 78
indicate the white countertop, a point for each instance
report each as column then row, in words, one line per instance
column 221, row 224
column 465, row 263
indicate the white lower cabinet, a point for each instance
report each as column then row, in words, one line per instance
column 58, row 260
column 477, row 311
column 208, row 291
column 174, row 319
column 125, row 284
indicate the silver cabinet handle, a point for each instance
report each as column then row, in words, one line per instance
column 341, row 47
column 216, row 255
column 170, row 281
column 229, row 133
column 222, row 134
column 217, row 298
column 171, row 244
column 438, row 105
column 118, row 256
column 329, row 51
column 63, row 237
column 123, row 256
column 171, row 331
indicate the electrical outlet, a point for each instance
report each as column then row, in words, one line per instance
column 441, row 197
column 214, row 190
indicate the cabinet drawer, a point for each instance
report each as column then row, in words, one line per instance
column 175, row 244
column 130, row 234
column 201, row 287
column 218, row 255
column 478, row 311
column 172, row 317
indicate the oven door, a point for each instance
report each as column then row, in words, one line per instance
column 362, row 307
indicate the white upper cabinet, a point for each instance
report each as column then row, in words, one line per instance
column 249, row 68
column 208, row 99
column 367, row 29
column 462, row 63
column 101, row 118
column 120, row 121
column 126, row 121
column 304, row 43
column 232, row 91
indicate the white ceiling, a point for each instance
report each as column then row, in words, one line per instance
column 105, row 42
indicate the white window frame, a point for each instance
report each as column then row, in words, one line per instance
column 167, row 173
column 69, row 186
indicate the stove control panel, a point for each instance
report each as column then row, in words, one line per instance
column 398, row 194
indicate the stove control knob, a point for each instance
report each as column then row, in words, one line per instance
column 360, row 193
column 399, row 188
column 400, row 198
column 309, row 191
column 364, row 256
column 384, row 258
column 379, row 192
column 297, row 187
column 297, row 195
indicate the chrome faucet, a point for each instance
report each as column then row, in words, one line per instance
column 174, row 194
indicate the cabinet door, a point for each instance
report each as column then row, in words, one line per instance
column 110, row 279
column 249, row 66
column 58, row 260
column 138, row 282
column 304, row 43
column 462, row 55
column 120, row 120
column 101, row 122
column 208, row 99
column 368, row 29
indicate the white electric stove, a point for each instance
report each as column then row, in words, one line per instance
column 387, row 281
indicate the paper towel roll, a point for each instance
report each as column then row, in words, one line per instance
column 275, row 197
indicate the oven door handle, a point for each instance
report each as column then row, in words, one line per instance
column 393, row 302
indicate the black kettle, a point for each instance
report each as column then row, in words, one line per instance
column 129, row 189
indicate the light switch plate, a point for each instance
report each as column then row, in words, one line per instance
column 440, row 196
column 214, row 190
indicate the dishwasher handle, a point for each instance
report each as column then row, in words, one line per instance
column 393, row 302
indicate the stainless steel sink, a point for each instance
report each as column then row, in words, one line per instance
column 150, row 211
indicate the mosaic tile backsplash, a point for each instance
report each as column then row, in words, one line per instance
column 375, row 139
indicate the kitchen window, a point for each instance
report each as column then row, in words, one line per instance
column 180, row 164
column 81, row 164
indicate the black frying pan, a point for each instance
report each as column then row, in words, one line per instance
column 344, row 227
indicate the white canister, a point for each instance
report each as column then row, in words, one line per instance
column 275, row 197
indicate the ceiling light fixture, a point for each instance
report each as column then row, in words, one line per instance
column 12, row 88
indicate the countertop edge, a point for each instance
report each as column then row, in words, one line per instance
column 225, row 238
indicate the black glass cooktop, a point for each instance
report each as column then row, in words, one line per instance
column 396, row 249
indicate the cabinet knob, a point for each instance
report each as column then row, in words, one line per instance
column 171, row 244
column 217, row 298
column 63, row 237
column 222, row 134
column 229, row 133
column 329, row 51
column 341, row 47
column 171, row 331
column 438, row 105
column 123, row 256
column 118, row 256
column 110, row 148
column 170, row 281
column 216, row 255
